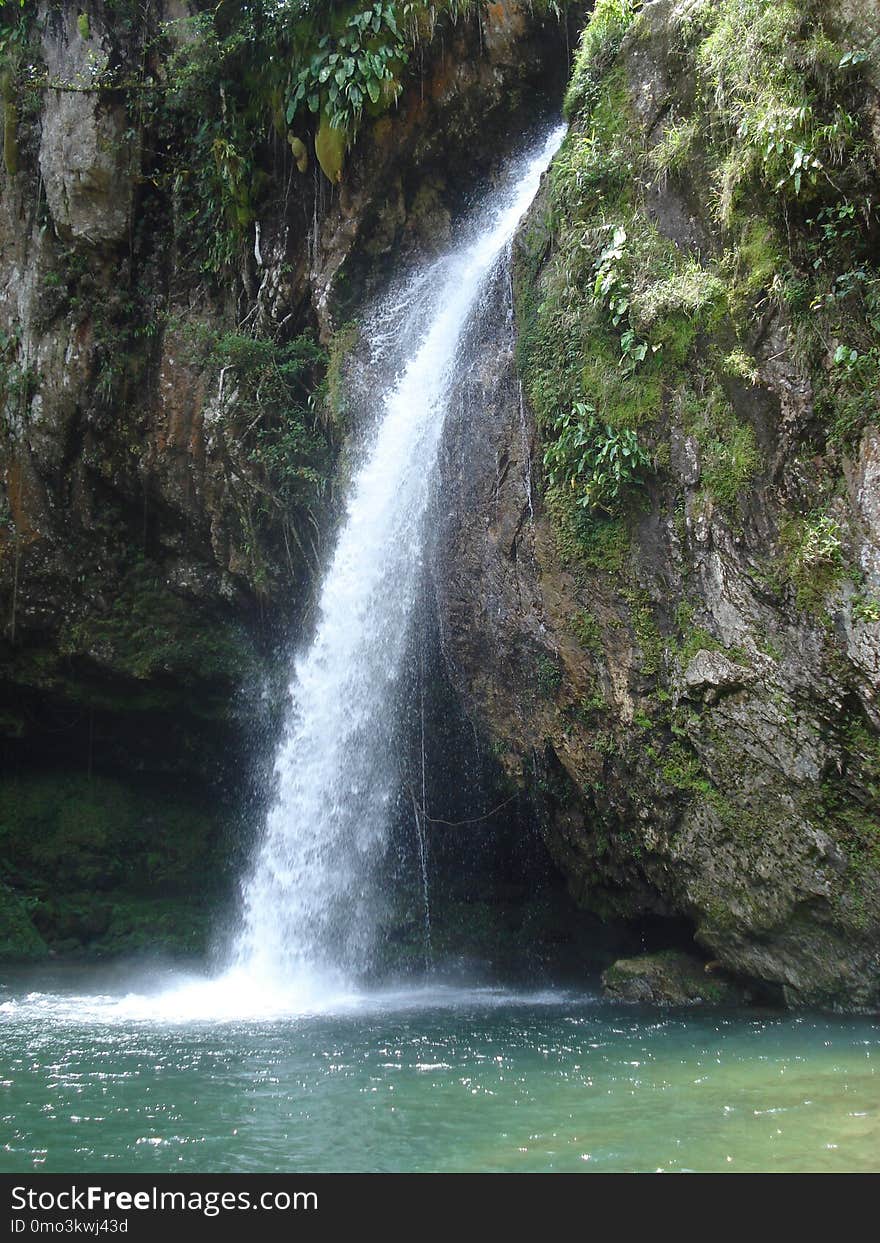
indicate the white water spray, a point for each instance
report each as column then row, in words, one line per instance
column 310, row 900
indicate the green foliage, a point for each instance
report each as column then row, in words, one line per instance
column 360, row 64
column 278, row 390
column 548, row 675
column 681, row 768
column 866, row 609
column 73, row 832
column 778, row 109
column 16, row 23
column 814, row 556
column 237, row 75
column 841, row 324
column 272, row 414
column 597, row 461
column 581, row 360
column 600, row 43
column 759, row 72
column 10, row 137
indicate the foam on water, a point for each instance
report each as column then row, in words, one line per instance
column 234, row 998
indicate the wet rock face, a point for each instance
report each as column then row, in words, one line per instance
column 88, row 156
column 123, row 434
column 695, row 705
column 149, row 565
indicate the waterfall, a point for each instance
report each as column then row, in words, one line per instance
column 311, row 898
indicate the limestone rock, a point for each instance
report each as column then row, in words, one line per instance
column 88, row 152
column 711, row 673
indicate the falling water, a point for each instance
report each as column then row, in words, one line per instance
column 422, row 820
column 311, row 900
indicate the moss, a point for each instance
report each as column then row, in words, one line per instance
column 591, row 703
column 668, row 977
column 330, row 144
column 548, row 675
column 755, row 262
column 696, row 639
column 588, row 542
column 71, row 831
column 342, row 343
column 175, row 926
column 730, row 464
column 150, row 632
column 19, row 939
column 648, row 636
column 730, row 459
column 105, row 866
column 557, row 318
column 680, row 768
column 781, row 130
column 587, row 631
column 678, row 291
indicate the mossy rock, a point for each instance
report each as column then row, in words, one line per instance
column 670, row 978
column 19, row 939
column 150, row 632
column 330, row 144
column 67, row 832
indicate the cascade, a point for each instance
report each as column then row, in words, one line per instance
column 311, row 898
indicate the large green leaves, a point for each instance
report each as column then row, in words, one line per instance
column 361, row 63
column 595, row 460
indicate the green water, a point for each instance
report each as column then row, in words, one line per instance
column 438, row 1080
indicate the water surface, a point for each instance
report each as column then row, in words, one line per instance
column 436, row 1079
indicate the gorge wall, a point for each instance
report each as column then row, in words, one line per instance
column 660, row 585
column 182, row 243
column 658, row 548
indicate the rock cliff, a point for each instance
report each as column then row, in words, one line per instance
column 659, row 580
column 182, row 242
column 658, row 548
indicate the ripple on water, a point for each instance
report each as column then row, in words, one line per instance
column 431, row 1079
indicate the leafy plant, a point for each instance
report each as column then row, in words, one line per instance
column 814, row 546
column 613, row 291
column 866, row 609
column 593, row 459
column 360, row 64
